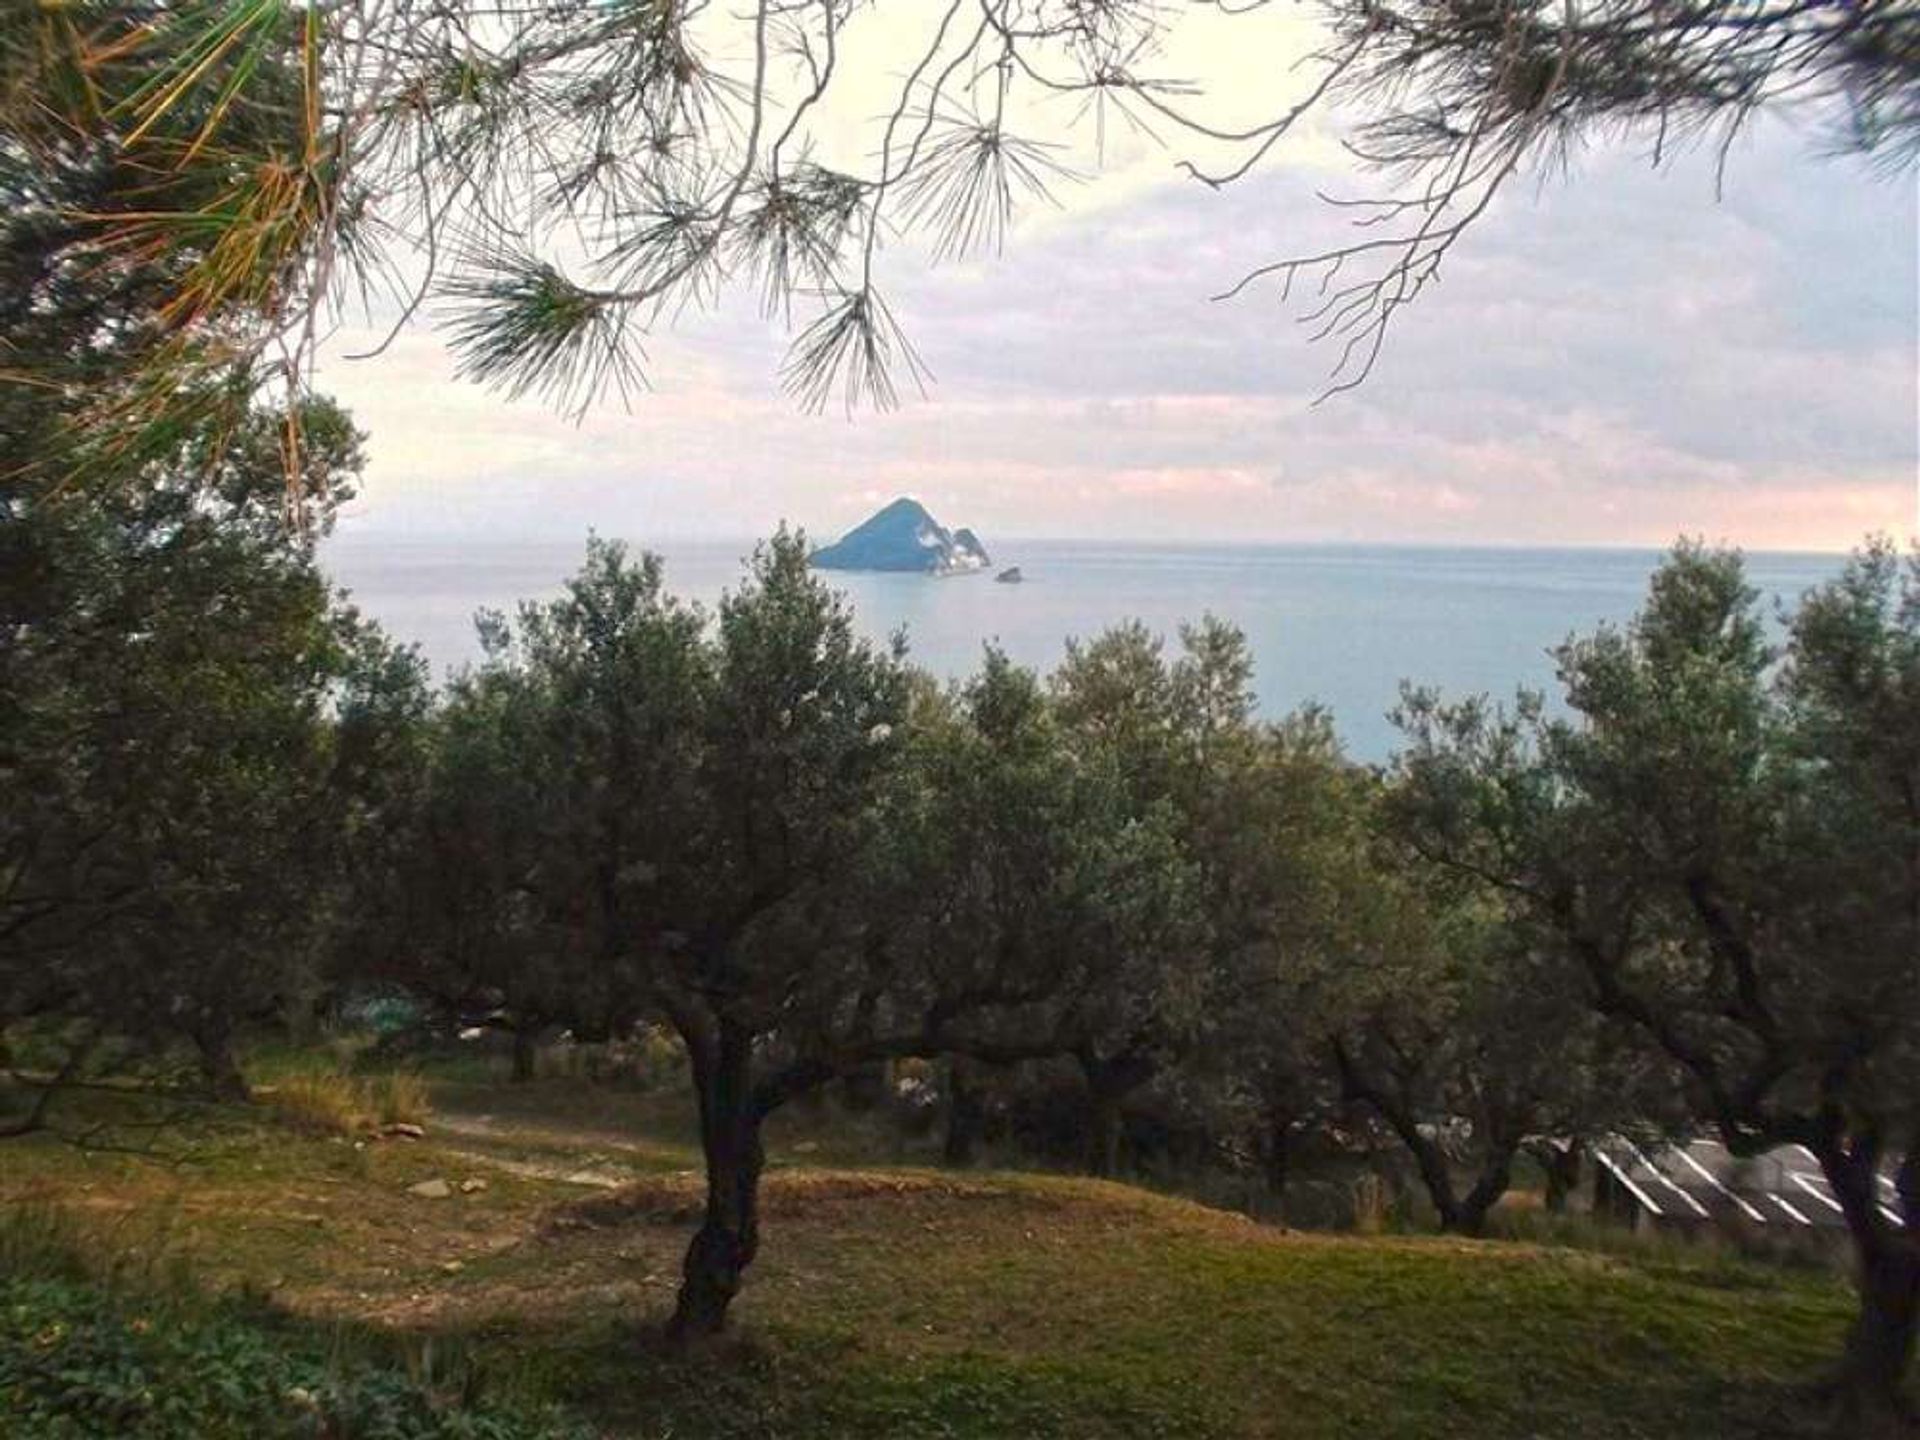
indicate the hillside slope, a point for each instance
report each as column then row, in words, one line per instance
column 905, row 1303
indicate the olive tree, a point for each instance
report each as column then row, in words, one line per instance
column 1284, row 836
column 746, row 829
column 991, row 875
column 1467, row 1030
column 479, row 924
column 1134, row 851
column 172, row 667
column 1724, row 838
column 1172, row 740
column 173, row 661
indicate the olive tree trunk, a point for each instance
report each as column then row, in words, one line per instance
column 729, row 1234
column 1277, row 1151
column 1459, row 1214
column 1110, row 1080
column 220, row 1073
column 526, row 1051
column 1880, row 1344
column 1560, row 1166
column 1469, row 1215
column 966, row 1111
column 1562, row 1169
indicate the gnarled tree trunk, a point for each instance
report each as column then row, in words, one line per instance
column 1562, row 1170
column 729, row 1233
column 864, row 1087
column 1880, row 1345
column 526, row 1050
column 1469, row 1215
column 220, row 1072
column 1459, row 1214
column 1110, row 1080
column 1277, row 1151
column 966, row 1110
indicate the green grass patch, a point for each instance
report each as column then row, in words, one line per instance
column 141, row 1353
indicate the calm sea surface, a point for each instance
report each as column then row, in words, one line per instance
column 1336, row 624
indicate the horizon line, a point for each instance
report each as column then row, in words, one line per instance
column 411, row 536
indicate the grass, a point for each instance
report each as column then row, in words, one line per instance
column 399, row 1098
column 332, row 1103
column 905, row 1302
column 133, row 1348
column 325, row 1104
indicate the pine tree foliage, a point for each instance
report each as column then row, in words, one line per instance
column 554, row 180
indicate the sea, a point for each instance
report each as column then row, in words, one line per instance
column 1336, row 625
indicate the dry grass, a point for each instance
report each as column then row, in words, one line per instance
column 399, row 1098
column 1370, row 1205
column 321, row 1104
column 333, row 1104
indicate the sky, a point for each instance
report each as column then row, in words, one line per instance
column 1613, row 357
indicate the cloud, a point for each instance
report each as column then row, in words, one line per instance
column 1613, row 359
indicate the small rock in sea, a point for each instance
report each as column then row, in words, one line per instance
column 435, row 1189
column 469, row 1187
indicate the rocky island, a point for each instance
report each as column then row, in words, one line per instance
column 903, row 536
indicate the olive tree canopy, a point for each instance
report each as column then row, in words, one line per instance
column 1725, row 837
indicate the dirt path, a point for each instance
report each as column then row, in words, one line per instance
column 582, row 1156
